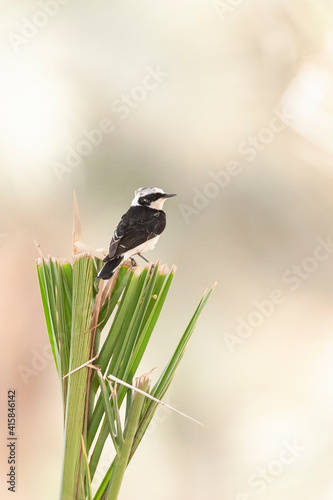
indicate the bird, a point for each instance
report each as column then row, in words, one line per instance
column 138, row 230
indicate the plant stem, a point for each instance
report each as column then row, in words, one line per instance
column 75, row 423
column 129, row 434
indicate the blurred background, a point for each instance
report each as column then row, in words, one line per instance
column 229, row 104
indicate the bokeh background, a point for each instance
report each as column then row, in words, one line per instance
column 186, row 90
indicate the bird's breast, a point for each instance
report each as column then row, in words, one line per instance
column 144, row 247
column 150, row 244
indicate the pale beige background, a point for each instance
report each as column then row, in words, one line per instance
column 226, row 67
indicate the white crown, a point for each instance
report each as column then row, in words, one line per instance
column 143, row 191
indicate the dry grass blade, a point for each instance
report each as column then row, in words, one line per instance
column 149, row 396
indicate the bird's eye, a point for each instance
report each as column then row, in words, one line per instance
column 146, row 200
column 152, row 197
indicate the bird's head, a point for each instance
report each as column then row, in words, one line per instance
column 150, row 197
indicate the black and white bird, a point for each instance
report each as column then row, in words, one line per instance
column 138, row 230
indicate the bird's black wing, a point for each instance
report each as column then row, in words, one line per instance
column 137, row 226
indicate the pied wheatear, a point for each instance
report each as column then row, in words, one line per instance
column 138, row 230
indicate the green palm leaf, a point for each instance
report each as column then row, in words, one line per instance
column 106, row 326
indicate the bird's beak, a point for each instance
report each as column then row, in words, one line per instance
column 169, row 195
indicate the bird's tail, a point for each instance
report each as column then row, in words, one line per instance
column 109, row 268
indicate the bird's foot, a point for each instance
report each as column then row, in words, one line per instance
column 142, row 257
column 152, row 267
column 133, row 262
